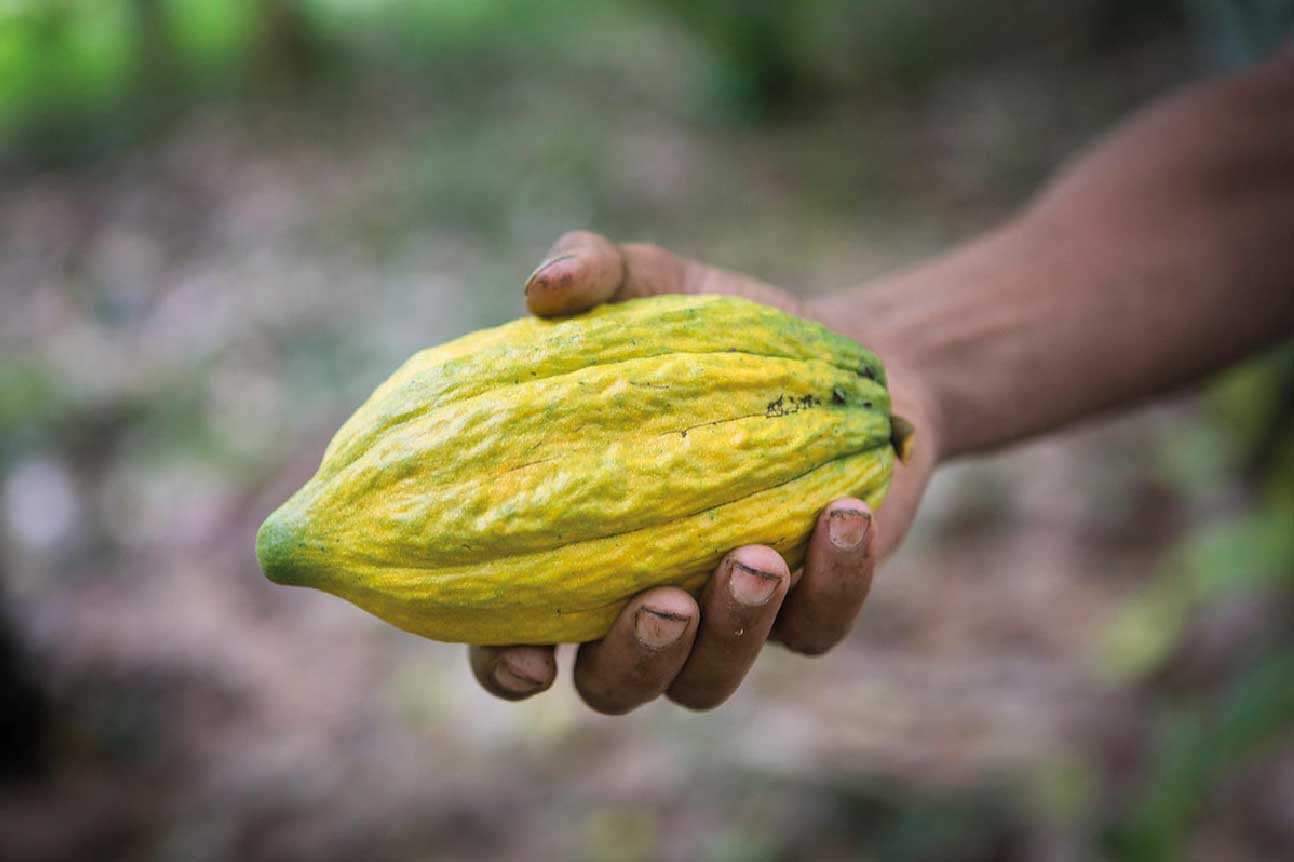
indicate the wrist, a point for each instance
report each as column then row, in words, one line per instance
column 940, row 328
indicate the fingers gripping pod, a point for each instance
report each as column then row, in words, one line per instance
column 520, row 484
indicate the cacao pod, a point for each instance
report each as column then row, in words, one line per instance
column 520, row 484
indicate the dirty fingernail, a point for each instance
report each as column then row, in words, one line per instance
column 658, row 629
column 751, row 586
column 540, row 273
column 847, row 528
column 514, row 681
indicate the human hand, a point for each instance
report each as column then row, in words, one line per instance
column 697, row 651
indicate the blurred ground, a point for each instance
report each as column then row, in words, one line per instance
column 187, row 319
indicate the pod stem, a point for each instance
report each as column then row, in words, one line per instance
column 902, row 437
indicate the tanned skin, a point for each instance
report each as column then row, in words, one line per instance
column 1162, row 255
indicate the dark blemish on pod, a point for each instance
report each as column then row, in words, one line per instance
column 837, row 395
column 867, row 405
column 867, row 372
column 782, row 406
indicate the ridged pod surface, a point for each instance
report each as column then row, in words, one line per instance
column 520, row 484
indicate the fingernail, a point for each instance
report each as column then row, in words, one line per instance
column 848, row 527
column 751, row 587
column 514, row 681
column 658, row 629
column 537, row 275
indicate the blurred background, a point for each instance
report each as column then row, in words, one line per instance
column 222, row 222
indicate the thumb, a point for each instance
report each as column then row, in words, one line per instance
column 582, row 270
column 585, row 269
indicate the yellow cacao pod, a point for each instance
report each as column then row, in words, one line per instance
column 520, row 484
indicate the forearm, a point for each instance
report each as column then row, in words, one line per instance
column 1164, row 255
